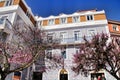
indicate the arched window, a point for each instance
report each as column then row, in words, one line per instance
column 17, row 75
column 63, row 75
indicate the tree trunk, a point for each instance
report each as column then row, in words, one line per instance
column 3, row 76
column 114, row 74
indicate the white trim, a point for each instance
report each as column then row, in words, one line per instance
column 24, row 17
column 28, row 13
column 115, row 27
column 29, row 9
column 90, row 15
column 64, row 35
column 61, row 22
column 2, row 0
column 93, row 30
column 13, row 18
column 74, row 14
column 7, row 15
column 8, row 9
column 9, row 2
column 79, row 35
column 73, row 17
column 53, row 21
column 40, row 23
column 80, row 24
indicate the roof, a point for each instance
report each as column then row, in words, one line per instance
column 113, row 21
column 93, row 10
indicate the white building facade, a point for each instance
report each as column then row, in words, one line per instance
column 12, row 12
column 71, row 28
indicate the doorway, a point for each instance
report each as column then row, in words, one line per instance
column 63, row 74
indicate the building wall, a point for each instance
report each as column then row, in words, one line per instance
column 82, row 18
column 114, row 27
column 17, row 11
column 23, row 6
column 86, row 27
column 2, row 3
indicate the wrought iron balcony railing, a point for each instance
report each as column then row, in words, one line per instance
column 73, row 40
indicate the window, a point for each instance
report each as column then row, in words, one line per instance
column 91, row 32
column 63, row 36
column 2, row 18
column 49, row 53
column 63, row 20
column 117, row 40
column 115, row 28
column 17, row 75
column 8, row 2
column 28, row 14
column 96, row 76
column 40, row 23
column 77, row 35
column 77, row 49
column 89, row 17
column 63, row 53
column 50, row 37
column 50, row 21
column 76, row 19
column 3, row 36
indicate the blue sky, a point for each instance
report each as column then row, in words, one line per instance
column 46, row 8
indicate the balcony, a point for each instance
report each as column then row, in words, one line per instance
column 74, row 40
column 5, row 25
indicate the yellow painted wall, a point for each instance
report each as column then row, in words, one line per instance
column 99, row 17
column 2, row 3
column 69, row 20
column 83, row 18
column 16, row 2
column 45, row 22
column 57, row 21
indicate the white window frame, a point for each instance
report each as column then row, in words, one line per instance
column 77, row 35
column 50, row 37
column 63, row 36
column 77, row 49
column 63, row 20
column 40, row 23
column 90, row 17
column 63, row 53
column 28, row 13
column 115, row 28
column 2, row 0
column 75, row 19
column 3, row 17
column 91, row 32
column 51, row 21
column 48, row 53
column 8, row 2
column 4, row 36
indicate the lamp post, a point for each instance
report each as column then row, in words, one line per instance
column 63, row 72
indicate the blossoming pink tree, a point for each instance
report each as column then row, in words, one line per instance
column 99, row 53
column 25, row 47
